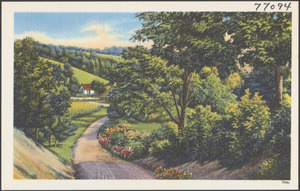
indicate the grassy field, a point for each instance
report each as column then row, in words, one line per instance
column 113, row 59
column 82, row 76
column 81, row 107
column 64, row 149
column 145, row 127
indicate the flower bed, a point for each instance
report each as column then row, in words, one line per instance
column 172, row 173
column 121, row 140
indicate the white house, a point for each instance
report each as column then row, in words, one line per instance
column 85, row 89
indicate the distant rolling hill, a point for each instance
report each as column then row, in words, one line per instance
column 82, row 76
column 32, row 161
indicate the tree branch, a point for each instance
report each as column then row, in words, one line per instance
column 170, row 114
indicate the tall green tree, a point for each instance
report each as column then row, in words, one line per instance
column 264, row 39
column 143, row 81
column 187, row 41
column 32, row 83
column 98, row 86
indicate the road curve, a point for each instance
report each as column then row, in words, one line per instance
column 92, row 161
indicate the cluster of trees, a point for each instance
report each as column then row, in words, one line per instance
column 87, row 61
column 41, row 95
column 115, row 51
column 191, row 73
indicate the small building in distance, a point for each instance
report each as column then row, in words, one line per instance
column 86, row 89
column 105, row 96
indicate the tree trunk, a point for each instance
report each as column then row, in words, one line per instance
column 50, row 136
column 185, row 100
column 279, row 86
column 56, row 142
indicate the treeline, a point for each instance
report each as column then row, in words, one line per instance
column 191, row 77
column 114, row 50
column 102, row 66
column 41, row 95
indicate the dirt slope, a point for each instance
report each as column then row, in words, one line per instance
column 91, row 161
column 210, row 170
column 33, row 161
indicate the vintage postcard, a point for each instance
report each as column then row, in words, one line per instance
column 150, row 95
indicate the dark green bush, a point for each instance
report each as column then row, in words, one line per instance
column 118, row 139
column 139, row 150
column 198, row 139
column 160, row 148
column 249, row 119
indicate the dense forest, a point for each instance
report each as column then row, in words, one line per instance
column 218, row 83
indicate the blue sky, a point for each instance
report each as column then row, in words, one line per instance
column 87, row 30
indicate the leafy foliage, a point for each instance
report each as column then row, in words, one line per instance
column 32, row 84
column 254, row 83
column 210, row 90
column 40, row 94
column 199, row 139
column 249, row 121
column 264, row 39
column 160, row 148
column 98, row 86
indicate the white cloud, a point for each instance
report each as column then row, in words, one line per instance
column 95, row 35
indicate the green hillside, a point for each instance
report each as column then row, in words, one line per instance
column 82, row 76
column 110, row 58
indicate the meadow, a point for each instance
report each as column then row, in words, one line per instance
column 82, row 108
column 111, row 58
column 145, row 127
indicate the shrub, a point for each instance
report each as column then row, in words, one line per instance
column 118, row 139
column 131, row 134
column 275, row 167
column 139, row 149
column 167, row 131
column 281, row 127
column 160, row 148
column 198, row 138
column 249, row 120
column 172, row 173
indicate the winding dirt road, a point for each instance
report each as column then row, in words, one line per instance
column 92, row 161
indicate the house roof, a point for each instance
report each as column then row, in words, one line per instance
column 86, row 87
column 107, row 91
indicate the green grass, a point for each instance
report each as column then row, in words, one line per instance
column 82, row 76
column 145, row 127
column 64, row 149
column 111, row 58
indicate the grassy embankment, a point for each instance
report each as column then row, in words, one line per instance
column 33, row 161
column 64, row 149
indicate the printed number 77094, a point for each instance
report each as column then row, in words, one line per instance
column 272, row 6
